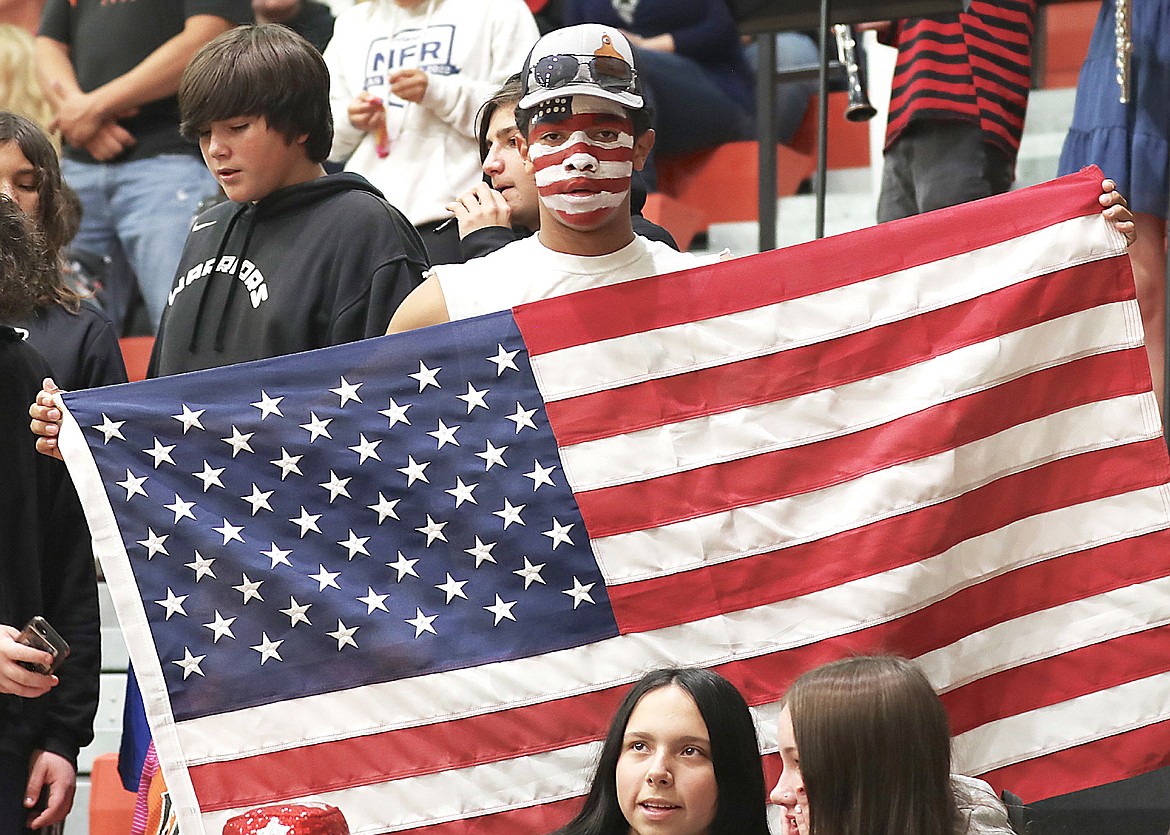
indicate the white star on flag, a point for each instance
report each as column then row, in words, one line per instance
column 501, row 610
column 160, row 453
column 133, row 485
column 396, row 413
column 579, row 592
column 504, row 359
column 347, row 392
column 297, row 612
column 287, row 463
column 268, row 405
column 259, row 499
column 445, row 434
column 154, row 543
column 482, row 552
column 530, row 573
column 510, row 513
column 414, row 471
column 432, row 530
column 559, row 534
column 474, row 397
column 384, row 507
column 462, row 492
column 336, row 486
column 307, row 522
column 422, row 623
column 373, row 601
column 229, row 532
column 522, row 417
column 344, row 635
column 173, row 603
column 540, row 475
column 239, row 441
column 221, row 626
column 209, row 476
column 181, row 509
column 268, row 649
column 426, row 377
column 189, row 418
column 493, row 455
column 250, row 589
column 277, row 555
column 190, row 663
column 326, row 578
column 366, row 449
column 201, row 567
column 403, row 566
column 452, row 588
column 110, row 428
column 317, row 428
column 355, row 544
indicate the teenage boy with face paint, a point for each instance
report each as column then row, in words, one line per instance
column 584, row 130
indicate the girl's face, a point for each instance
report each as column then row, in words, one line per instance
column 789, row 791
column 665, row 775
column 18, row 179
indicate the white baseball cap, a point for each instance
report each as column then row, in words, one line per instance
column 584, row 60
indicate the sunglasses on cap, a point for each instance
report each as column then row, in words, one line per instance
column 556, row 71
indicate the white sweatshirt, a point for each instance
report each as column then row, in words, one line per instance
column 467, row 48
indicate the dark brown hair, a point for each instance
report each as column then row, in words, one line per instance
column 264, row 70
column 507, row 96
column 58, row 209
column 875, row 749
column 27, row 272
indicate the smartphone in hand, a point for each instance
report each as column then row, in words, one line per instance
column 39, row 634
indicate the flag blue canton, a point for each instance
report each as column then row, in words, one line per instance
column 400, row 519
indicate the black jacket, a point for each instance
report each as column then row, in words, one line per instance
column 311, row 265
column 46, row 568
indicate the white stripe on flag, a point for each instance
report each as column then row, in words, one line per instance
column 662, row 352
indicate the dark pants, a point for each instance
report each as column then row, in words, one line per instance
column 940, row 163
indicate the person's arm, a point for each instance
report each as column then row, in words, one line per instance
column 486, row 240
column 712, row 37
column 342, row 94
column 71, row 605
column 425, row 306
column 456, row 99
column 80, row 115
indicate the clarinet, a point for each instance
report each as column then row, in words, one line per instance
column 858, row 109
column 1123, row 45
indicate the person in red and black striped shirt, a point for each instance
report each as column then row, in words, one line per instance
column 957, row 106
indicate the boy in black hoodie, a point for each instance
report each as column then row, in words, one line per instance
column 295, row 260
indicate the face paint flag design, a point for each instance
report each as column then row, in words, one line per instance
column 582, row 178
column 412, row 577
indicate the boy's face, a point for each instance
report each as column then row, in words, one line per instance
column 583, row 153
column 504, row 166
column 250, row 159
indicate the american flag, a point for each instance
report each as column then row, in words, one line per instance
column 412, row 577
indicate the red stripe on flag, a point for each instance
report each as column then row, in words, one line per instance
column 846, row 359
column 640, row 505
column 362, row 761
column 794, row 272
column 1049, row 681
column 886, row 543
column 1083, row 766
column 560, row 723
column 545, row 817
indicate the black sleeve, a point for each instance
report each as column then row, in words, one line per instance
column 235, row 11
column 653, row 231
column 55, row 21
column 102, row 363
column 71, row 606
column 398, row 262
column 487, row 240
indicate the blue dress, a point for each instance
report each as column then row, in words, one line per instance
column 1130, row 143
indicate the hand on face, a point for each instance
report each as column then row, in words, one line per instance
column 479, row 207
